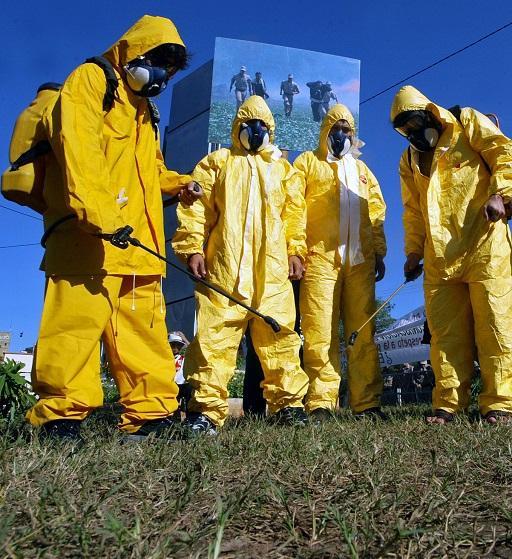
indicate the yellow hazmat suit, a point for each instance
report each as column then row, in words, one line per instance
column 252, row 217
column 25, row 185
column 468, row 280
column 113, row 175
column 345, row 230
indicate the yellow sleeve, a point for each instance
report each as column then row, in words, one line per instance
column 301, row 165
column 171, row 182
column 494, row 147
column 195, row 221
column 377, row 212
column 294, row 212
column 414, row 224
column 78, row 121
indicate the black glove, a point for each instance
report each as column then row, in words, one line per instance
column 120, row 237
column 414, row 274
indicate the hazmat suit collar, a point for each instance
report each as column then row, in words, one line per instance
column 147, row 33
column 270, row 153
column 337, row 112
column 252, row 108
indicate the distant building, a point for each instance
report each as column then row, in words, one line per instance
column 185, row 143
column 5, row 342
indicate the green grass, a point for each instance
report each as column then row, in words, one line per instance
column 346, row 489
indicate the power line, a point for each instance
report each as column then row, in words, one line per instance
column 438, row 62
column 26, row 215
column 21, row 213
column 24, row 245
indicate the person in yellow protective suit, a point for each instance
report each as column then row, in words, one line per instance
column 346, row 250
column 112, row 174
column 455, row 177
column 251, row 223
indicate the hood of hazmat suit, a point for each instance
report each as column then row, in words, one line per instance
column 250, row 219
column 468, row 279
column 345, row 230
column 112, row 168
column 443, row 214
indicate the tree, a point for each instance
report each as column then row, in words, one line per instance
column 382, row 321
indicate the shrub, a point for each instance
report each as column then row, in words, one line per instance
column 236, row 385
column 15, row 395
column 110, row 391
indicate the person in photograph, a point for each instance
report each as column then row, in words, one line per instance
column 346, row 249
column 328, row 95
column 248, row 236
column 259, row 87
column 288, row 90
column 455, row 177
column 243, row 86
column 315, row 98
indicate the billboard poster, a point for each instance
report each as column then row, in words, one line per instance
column 298, row 85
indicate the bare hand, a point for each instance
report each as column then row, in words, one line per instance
column 412, row 266
column 296, row 268
column 380, row 267
column 494, row 208
column 190, row 193
column 197, row 266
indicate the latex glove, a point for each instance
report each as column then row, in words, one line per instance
column 412, row 267
column 380, row 267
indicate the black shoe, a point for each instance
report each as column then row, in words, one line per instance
column 162, row 428
column 63, row 430
column 198, row 424
column 294, row 417
column 371, row 413
column 321, row 415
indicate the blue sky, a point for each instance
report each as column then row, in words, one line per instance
column 44, row 41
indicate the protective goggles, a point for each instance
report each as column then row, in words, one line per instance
column 413, row 124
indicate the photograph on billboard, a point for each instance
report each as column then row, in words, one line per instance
column 298, row 85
